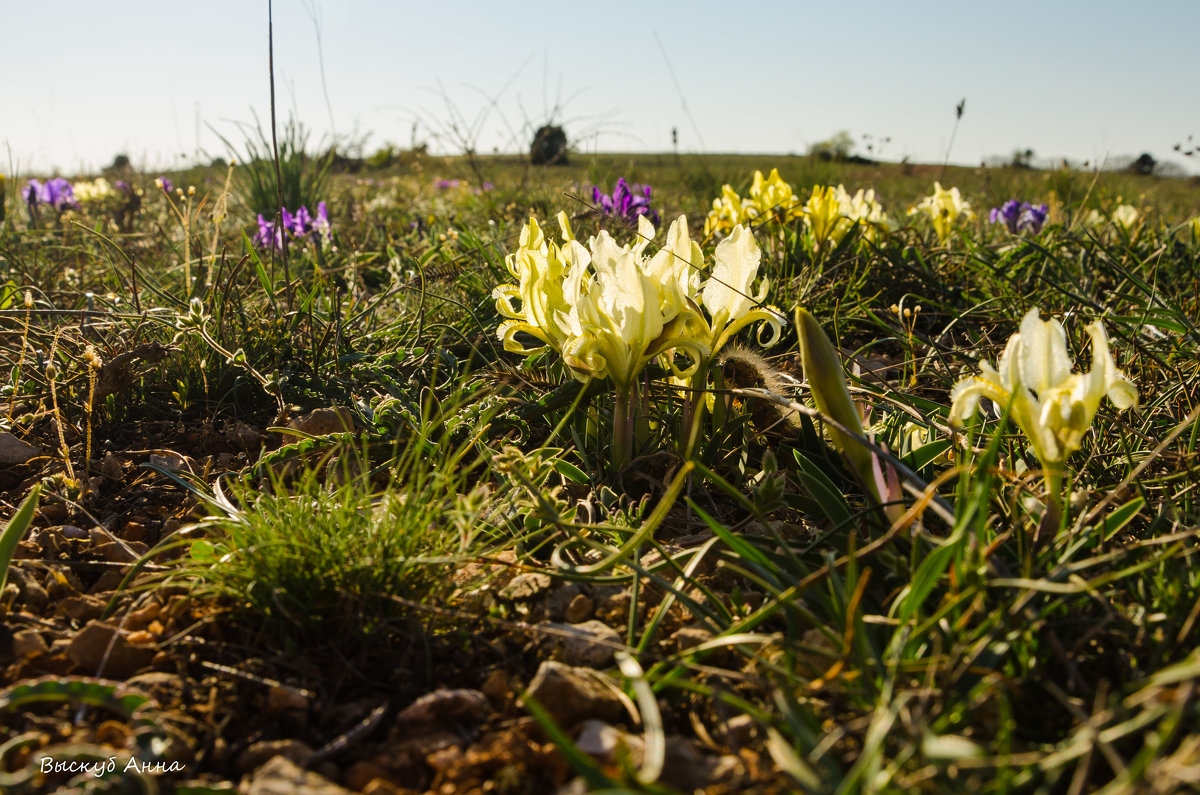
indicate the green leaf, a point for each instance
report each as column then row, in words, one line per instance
column 827, row 496
column 569, row 471
column 14, row 531
column 1120, row 517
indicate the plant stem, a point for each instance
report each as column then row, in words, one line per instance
column 622, row 443
column 1052, row 518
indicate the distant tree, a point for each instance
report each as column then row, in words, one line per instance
column 1022, row 158
column 1144, row 164
column 549, row 146
column 836, row 148
column 120, row 162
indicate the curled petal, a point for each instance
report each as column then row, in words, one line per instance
column 964, row 398
column 769, row 316
column 1105, row 375
column 508, row 331
column 504, row 295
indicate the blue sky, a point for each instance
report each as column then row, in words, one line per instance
column 85, row 80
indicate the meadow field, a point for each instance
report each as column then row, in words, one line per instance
column 466, row 475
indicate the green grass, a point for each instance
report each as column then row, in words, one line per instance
column 940, row 653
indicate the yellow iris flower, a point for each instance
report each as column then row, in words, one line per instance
column 1052, row 406
column 945, row 209
column 769, row 198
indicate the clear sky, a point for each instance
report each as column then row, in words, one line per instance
column 84, row 79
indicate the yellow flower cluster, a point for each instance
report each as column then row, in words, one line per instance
column 610, row 309
column 769, row 198
column 95, row 192
column 830, row 213
column 945, row 209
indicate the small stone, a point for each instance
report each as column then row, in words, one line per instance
column 560, row 599
column 169, row 459
column 605, row 742
column 163, row 687
column 14, row 451
column 382, row 786
column 140, row 619
column 571, row 694
column 360, row 775
column 281, row 776
column 133, row 532
column 32, row 594
column 239, row 434
column 322, row 422
column 111, row 468
column 27, row 642
column 446, row 706
column 525, row 586
column 99, row 649
column 81, row 608
column 496, row 686
column 109, row 580
column 264, row 752
column 591, row 643
column 581, row 609
column 121, row 551
column 54, row 511
column 281, row 698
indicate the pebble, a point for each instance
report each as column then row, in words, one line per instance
column 322, row 422
column 14, row 451
column 591, row 644
column 525, row 586
column 581, row 609
column 89, row 647
column 281, row 776
column 603, row 742
column 27, row 642
column 445, row 706
column 265, row 752
column 572, row 694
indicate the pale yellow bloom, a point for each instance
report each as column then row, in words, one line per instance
column 539, row 269
column 769, row 198
column 1127, row 217
column 729, row 294
column 830, row 214
column 1052, row 406
column 97, row 191
column 824, row 217
column 863, row 208
column 621, row 305
column 945, row 210
column 609, row 309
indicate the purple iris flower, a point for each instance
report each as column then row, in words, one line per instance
column 1019, row 216
column 300, row 224
column 32, row 193
column 56, row 192
column 321, row 226
column 165, row 184
column 626, row 203
column 446, row 184
column 268, row 236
